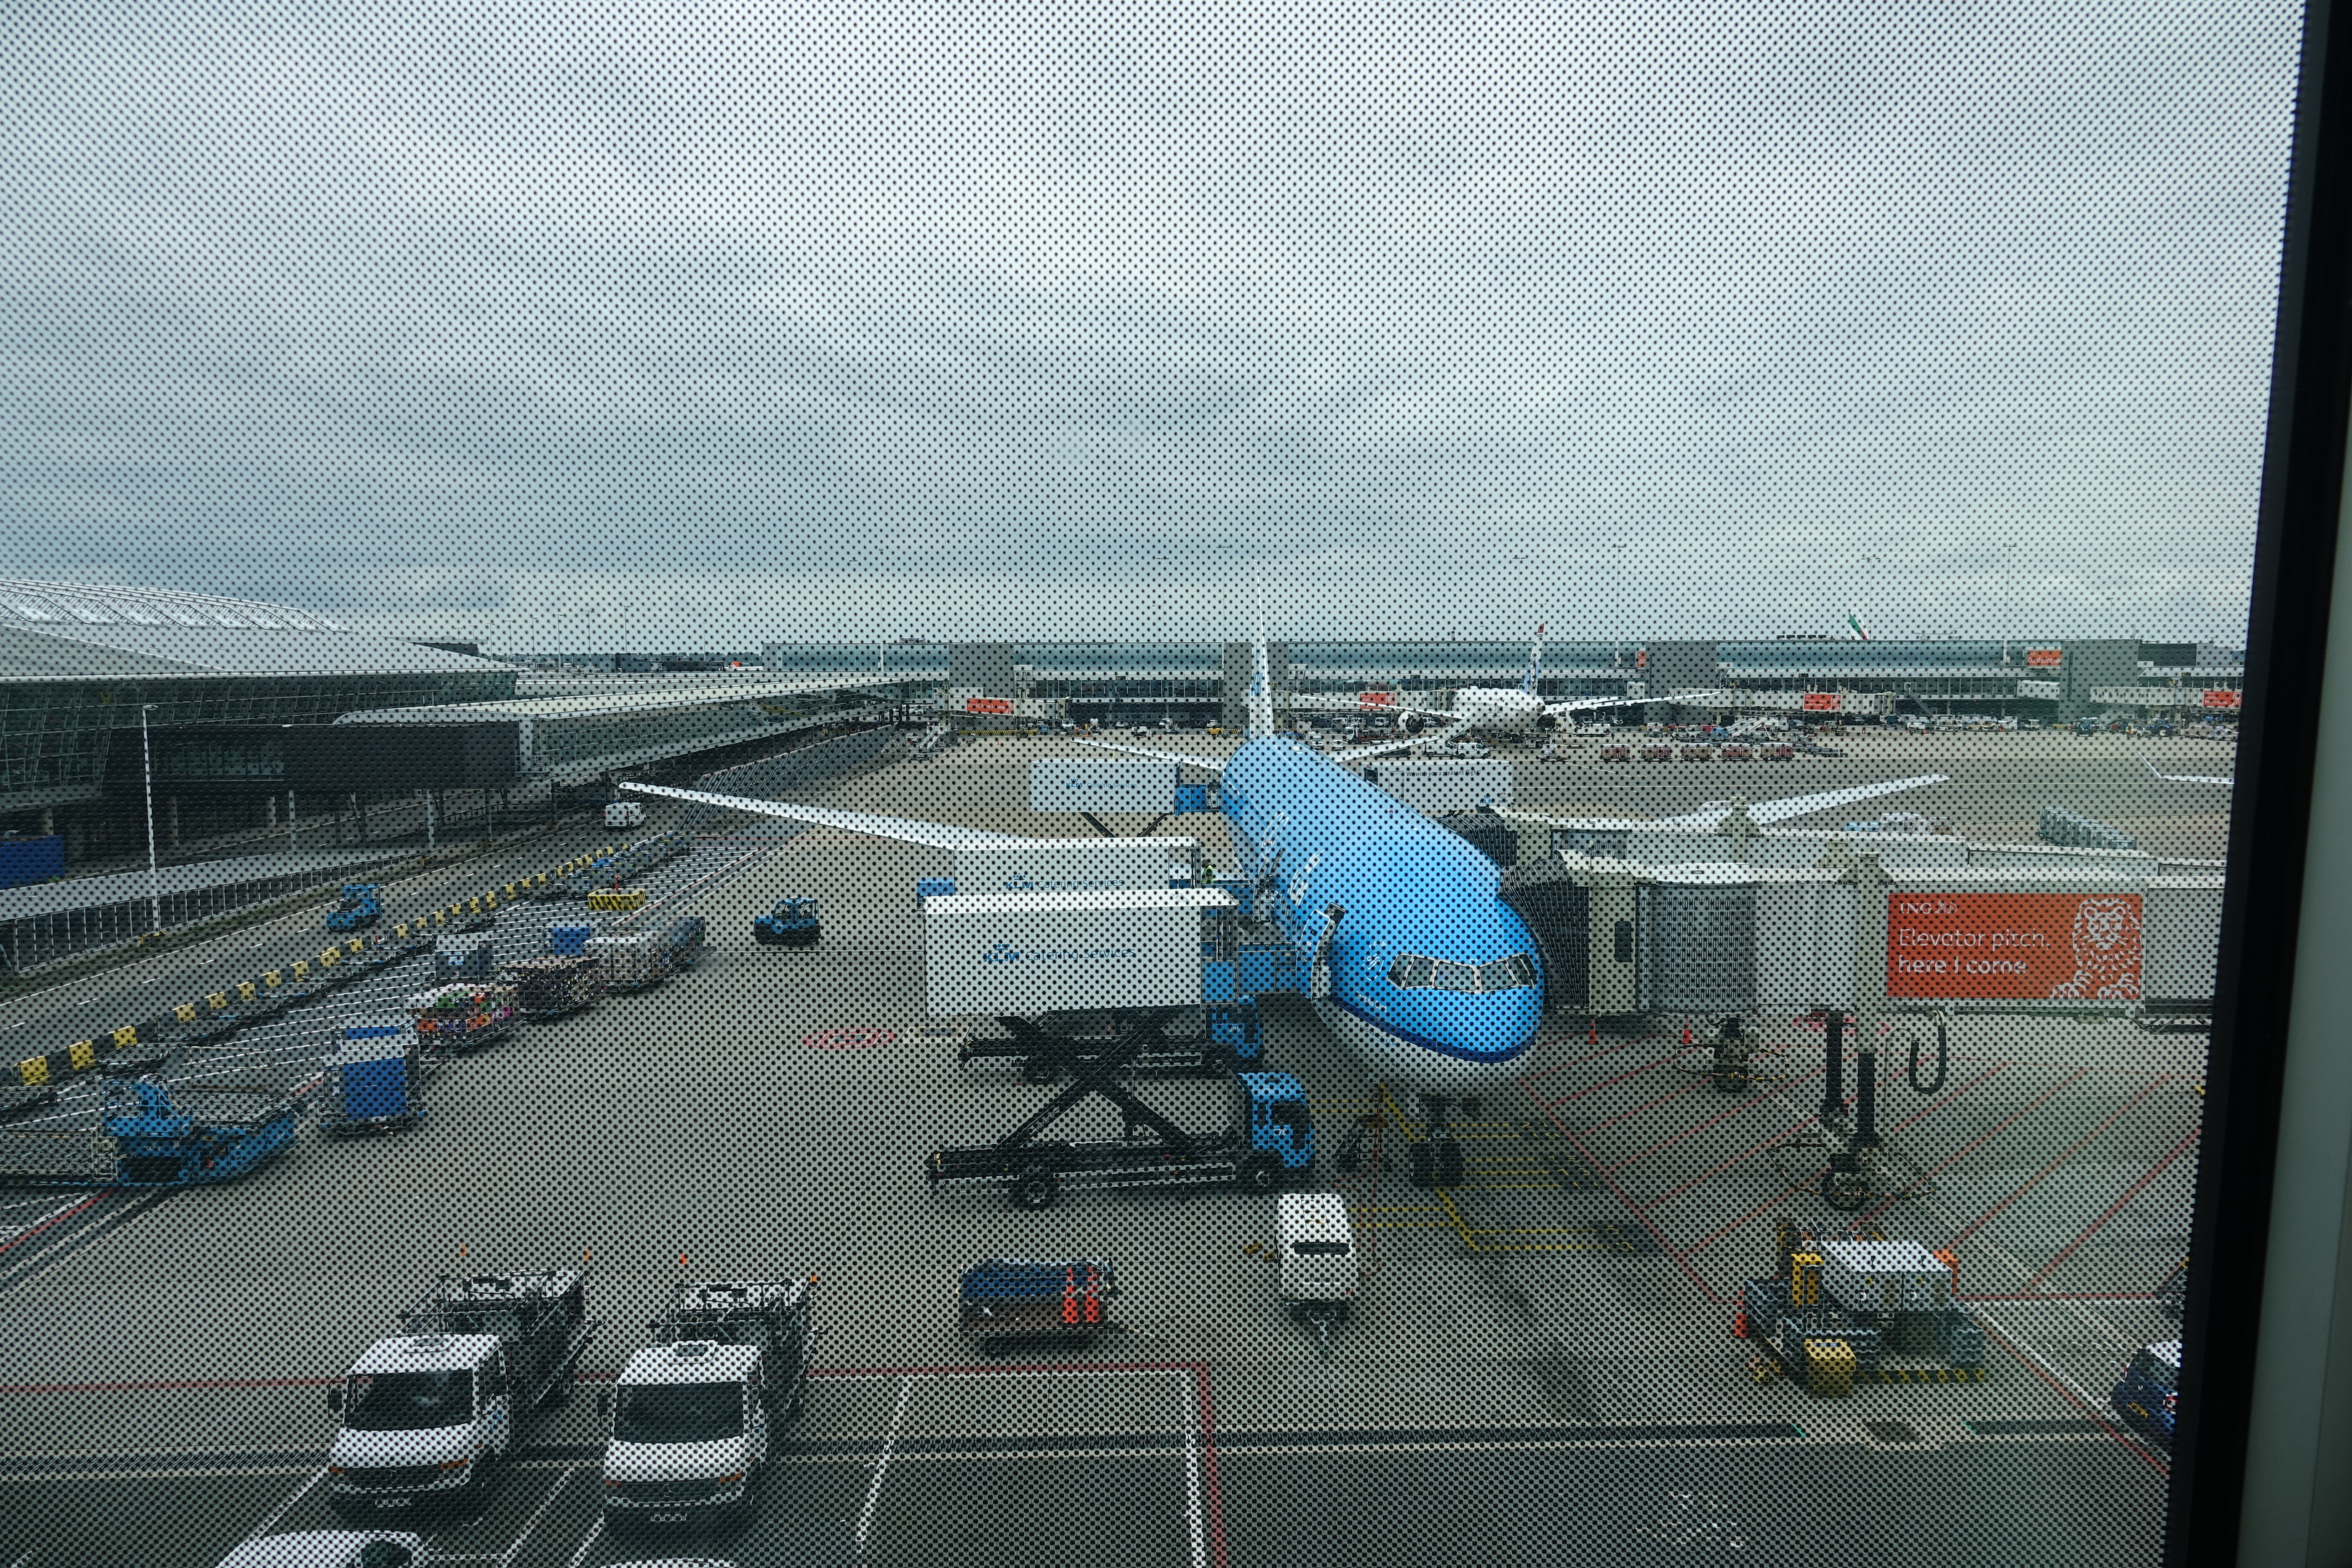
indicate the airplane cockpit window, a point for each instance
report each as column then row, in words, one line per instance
column 1507, row 974
column 1410, row 969
column 1451, row 976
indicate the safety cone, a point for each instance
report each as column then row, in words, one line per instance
column 1069, row 1297
column 1592, row 1034
column 1686, row 1036
column 1094, row 1299
column 1739, row 1325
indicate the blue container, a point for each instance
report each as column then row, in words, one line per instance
column 373, row 1089
column 1192, row 799
column 24, row 860
column 569, row 940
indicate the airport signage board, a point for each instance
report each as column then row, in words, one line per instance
column 987, row 705
column 2221, row 698
column 2044, row 657
column 1821, row 701
column 2014, row 947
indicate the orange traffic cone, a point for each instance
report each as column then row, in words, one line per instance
column 1739, row 1325
column 1094, row 1298
column 1069, row 1297
column 1687, row 1039
column 1592, row 1034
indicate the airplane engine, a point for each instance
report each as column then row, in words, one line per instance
column 1415, row 724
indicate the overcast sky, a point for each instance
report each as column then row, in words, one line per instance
column 701, row 325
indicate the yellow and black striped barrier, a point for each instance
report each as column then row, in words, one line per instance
column 83, row 1055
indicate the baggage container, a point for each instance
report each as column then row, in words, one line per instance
column 632, row 962
column 1896, row 1278
column 567, row 939
column 461, row 1017
column 1032, row 953
column 551, row 987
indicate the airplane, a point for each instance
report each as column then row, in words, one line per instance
column 1515, row 708
column 1430, row 978
column 2189, row 778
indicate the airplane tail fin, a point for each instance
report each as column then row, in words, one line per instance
column 1261, row 692
column 1854, row 622
column 1535, row 663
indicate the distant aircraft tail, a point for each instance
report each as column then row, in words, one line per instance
column 1854, row 621
column 1261, row 692
column 1535, row 663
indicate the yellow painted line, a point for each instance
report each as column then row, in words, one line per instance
column 244, row 990
column 217, row 1001
column 126, row 1036
column 302, row 968
column 80, row 1055
column 271, row 979
column 34, row 1070
column 185, row 1012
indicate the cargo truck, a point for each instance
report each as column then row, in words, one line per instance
column 1031, row 953
column 692, row 1414
column 1269, row 1139
column 430, row 1414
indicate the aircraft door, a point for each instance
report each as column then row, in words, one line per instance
column 1558, row 910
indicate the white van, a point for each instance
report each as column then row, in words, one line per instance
column 1318, row 1268
column 623, row 814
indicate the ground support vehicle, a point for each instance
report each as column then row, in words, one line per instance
column 1270, row 1139
column 361, row 904
column 692, row 1414
column 686, row 938
column 1318, row 1268
column 1005, row 1304
column 634, row 961
column 550, row 987
column 428, row 1414
column 450, row 1018
column 791, row 923
column 372, row 1078
column 1838, row 1311
column 1191, row 1042
column 225, row 1130
column 2149, row 1395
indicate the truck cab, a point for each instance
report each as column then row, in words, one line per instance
column 426, row 1416
column 1273, row 1110
column 2149, row 1397
column 689, row 1438
column 1318, row 1268
column 360, row 904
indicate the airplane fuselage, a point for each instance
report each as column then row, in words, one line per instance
column 1412, row 891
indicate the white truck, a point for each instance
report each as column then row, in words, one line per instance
column 986, row 955
column 428, row 1415
column 691, row 1413
column 1318, row 1270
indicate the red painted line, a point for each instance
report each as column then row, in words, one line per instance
column 1744, row 1105
column 1212, row 1493
column 1974, row 1145
column 2118, row 1432
column 2067, row 1153
column 1650, row 1105
column 170, row 1385
column 1621, row 1077
column 1655, row 1234
column 2074, row 1295
column 1580, row 1061
column 1739, row 1158
column 58, row 1218
column 2115, row 1207
column 1786, row 1194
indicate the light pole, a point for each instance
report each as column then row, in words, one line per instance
column 154, row 876
column 2009, row 596
column 1617, row 642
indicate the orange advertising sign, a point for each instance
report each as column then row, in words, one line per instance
column 2221, row 698
column 1376, row 700
column 1640, row 658
column 2044, row 657
column 2014, row 946
column 987, row 705
column 1821, row 701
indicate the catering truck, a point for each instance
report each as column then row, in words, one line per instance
column 692, row 1413
column 429, row 1414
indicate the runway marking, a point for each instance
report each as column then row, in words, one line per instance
column 849, row 1037
column 586, row 1542
column 2067, row 1153
column 882, row 1463
column 562, row 1479
column 1946, row 1163
column 1579, row 1061
column 2114, row 1208
column 1740, row 1158
column 266, row 1525
column 1650, row 1104
column 1605, row 1083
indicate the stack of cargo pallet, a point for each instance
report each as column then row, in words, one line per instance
column 461, row 1018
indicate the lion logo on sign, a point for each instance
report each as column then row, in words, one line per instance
column 2106, row 952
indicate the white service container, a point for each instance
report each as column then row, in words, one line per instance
column 1026, row 954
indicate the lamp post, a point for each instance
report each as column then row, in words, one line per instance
column 1617, row 642
column 2008, row 595
column 154, row 876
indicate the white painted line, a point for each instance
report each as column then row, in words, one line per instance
column 581, row 1556
column 882, row 1467
column 1189, row 1419
column 562, row 1479
column 38, row 1220
column 266, row 1525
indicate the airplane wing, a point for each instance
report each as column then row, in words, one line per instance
column 1438, row 737
column 1184, row 759
column 1767, row 812
column 1585, row 704
column 2189, row 778
column 930, row 834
